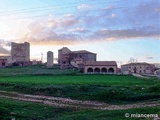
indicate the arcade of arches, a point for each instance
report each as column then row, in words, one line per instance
column 100, row 69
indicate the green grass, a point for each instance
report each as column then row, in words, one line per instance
column 34, row 70
column 113, row 89
column 20, row 110
column 104, row 88
column 109, row 115
column 107, row 80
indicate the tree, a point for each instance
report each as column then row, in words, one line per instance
column 132, row 60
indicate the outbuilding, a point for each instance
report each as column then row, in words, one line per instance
column 105, row 67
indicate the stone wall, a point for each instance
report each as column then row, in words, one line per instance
column 20, row 52
column 142, row 68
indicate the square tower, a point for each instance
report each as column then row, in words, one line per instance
column 20, row 52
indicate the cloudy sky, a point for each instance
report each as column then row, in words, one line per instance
column 114, row 29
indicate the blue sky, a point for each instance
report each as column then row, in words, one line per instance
column 114, row 29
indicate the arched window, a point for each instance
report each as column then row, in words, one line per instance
column 104, row 70
column 110, row 70
column 89, row 70
column 97, row 70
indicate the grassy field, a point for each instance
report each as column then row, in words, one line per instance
column 113, row 80
column 34, row 70
column 12, row 109
column 105, row 88
column 39, row 80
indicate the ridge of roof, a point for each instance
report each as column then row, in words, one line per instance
column 82, row 51
column 96, row 63
column 136, row 63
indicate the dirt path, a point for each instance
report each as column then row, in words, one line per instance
column 70, row 103
column 140, row 76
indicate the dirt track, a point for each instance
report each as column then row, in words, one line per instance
column 70, row 103
column 140, row 76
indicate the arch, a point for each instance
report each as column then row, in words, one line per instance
column 103, row 70
column 3, row 63
column 90, row 70
column 110, row 70
column 97, row 70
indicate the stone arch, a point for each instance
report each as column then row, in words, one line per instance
column 90, row 70
column 97, row 70
column 110, row 70
column 103, row 70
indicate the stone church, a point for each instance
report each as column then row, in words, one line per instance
column 68, row 58
column 85, row 61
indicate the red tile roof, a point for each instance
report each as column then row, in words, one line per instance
column 100, row 63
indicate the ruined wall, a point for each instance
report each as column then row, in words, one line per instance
column 20, row 52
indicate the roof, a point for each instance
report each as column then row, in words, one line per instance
column 81, row 52
column 68, row 51
column 4, row 57
column 143, row 63
column 100, row 63
column 64, row 48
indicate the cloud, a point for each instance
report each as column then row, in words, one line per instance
column 113, row 15
column 4, row 51
column 3, row 44
column 108, row 8
column 127, row 33
column 53, row 30
column 67, row 22
column 109, row 23
column 79, row 30
column 144, row 13
column 84, row 7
